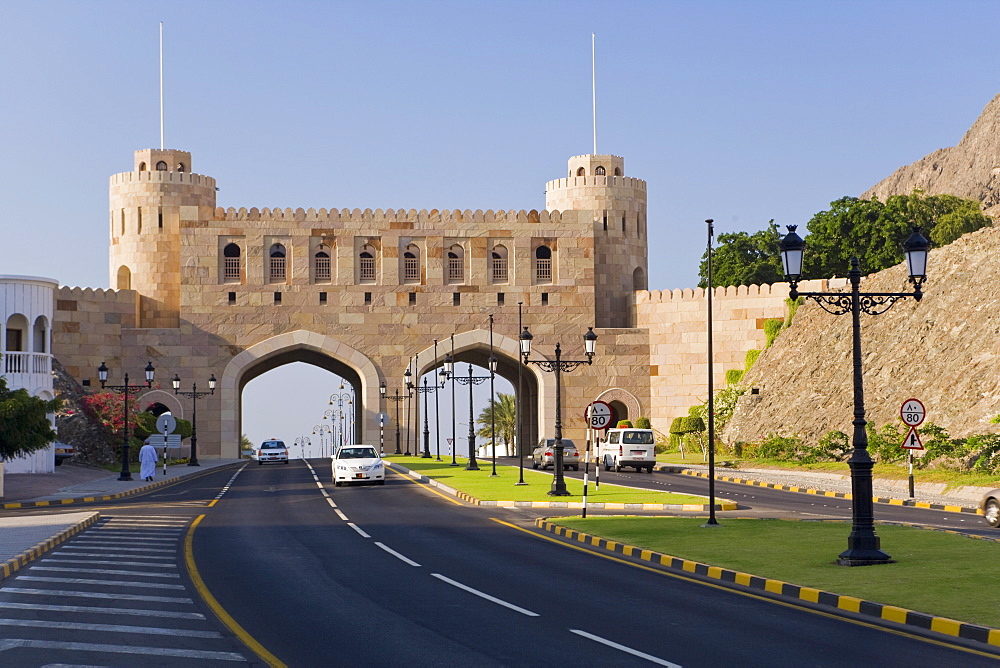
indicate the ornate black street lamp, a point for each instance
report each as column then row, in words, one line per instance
column 471, row 380
column 424, row 391
column 712, row 522
column 396, row 398
column 125, row 390
column 493, row 403
column 194, row 395
column 340, row 398
column 558, row 366
column 862, row 544
column 449, row 367
column 322, row 429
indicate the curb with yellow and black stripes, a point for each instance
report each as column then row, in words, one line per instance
column 811, row 490
column 468, row 498
column 889, row 613
column 13, row 564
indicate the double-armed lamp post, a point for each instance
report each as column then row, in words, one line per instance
column 125, row 390
column 194, row 395
column 558, row 366
column 471, row 380
column 425, row 390
column 862, row 544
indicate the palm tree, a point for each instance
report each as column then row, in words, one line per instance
column 505, row 420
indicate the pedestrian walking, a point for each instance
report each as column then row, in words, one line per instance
column 147, row 462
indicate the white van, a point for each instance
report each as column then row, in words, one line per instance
column 628, row 447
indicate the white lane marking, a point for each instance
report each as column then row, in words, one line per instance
column 358, row 529
column 627, row 650
column 340, row 514
column 16, row 643
column 93, row 610
column 115, row 540
column 91, row 594
column 102, row 571
column 330, row 501
column 493, row 599
column 106, row 583
column 150, row 564
column 111, row 628
column 393, row 552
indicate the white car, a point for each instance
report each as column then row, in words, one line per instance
column 357, row 463
column 272, row 450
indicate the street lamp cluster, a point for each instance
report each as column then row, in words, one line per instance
column 863, row 545
column 127, row 389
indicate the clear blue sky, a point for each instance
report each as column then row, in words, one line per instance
column 734, row 110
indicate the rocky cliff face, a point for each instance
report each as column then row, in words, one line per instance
column 944, row 350
column 971, row 169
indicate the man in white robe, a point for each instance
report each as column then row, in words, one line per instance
column 147, row 462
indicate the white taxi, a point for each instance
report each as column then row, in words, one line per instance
column 357, row 463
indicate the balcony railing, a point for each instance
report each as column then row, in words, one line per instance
column 15, row 362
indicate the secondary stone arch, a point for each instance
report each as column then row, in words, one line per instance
column 473, row 347
column 618, row 395
column 320, row 350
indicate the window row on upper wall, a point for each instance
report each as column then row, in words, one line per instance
column 598, row 171
column 369, row 264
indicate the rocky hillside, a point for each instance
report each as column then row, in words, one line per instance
column 944, row 350
column 971, row 169
column 88, row 437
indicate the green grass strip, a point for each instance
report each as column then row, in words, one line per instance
column 502, row 488
column 935, row 572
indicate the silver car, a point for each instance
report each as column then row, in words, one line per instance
column 990, row 505
column 544, row 455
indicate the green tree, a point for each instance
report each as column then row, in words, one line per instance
column 874, row 231
column 24, row 422
column 503, row 413
column 743, row 258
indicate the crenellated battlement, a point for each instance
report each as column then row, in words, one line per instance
column 100, row 295
column 597, row 181
column 779, row 290
column 185, row 178
column 335, row 217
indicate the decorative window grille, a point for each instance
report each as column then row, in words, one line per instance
column 499, row 268
column 277, row 269
column 232, row 269
column 411, row 268
column 322, row 268
column 367, row 268
column 543, row 270
column 456, row 269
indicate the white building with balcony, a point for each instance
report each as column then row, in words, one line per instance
column 26, row 305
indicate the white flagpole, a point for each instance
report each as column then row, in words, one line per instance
column 593, row 82
column 161, row 85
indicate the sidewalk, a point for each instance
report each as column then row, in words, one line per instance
column 24, row 537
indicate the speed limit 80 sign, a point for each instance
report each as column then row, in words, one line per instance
column 912, row 412
column 598, row 415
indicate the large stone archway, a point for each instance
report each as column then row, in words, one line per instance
column 323, row 351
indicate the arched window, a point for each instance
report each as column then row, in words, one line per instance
column 366, row 264
column 456, row 264
column 411, row 264
column 39, row 335
column 599, row 171
column 16, row 341
column 231, row 269
column 142, row 166
column 277, row 263
column 180, row 166
column 638, row 279
column 161, row 166
column 124, row 278
column 321, row 264
column 498, row 264
column 581, row 172
column 618, row 171
column 543, row 264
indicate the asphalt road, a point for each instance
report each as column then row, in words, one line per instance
column 394, row 574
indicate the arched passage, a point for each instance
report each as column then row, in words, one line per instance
column 300, row 346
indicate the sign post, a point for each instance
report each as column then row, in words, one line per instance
column 912, row 413
column 166, row 423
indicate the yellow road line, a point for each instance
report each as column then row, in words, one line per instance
column 427, row 487
column 748, row 594
column 217, row 608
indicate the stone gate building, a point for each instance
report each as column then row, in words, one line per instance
column 201, row 290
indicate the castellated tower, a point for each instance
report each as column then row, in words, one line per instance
column 149, row 207
column 598, row 183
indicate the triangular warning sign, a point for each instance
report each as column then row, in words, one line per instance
column 912, row 440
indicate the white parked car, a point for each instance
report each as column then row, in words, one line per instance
column 357, row 463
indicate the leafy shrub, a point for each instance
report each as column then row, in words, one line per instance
column 774, row 447
column 643, row 423
column 772, row 327
column 751, row 358
column 733, row 376
column 884, row 444
column 832, row 447
column 624, row 424
column 791, row 306
column 988, row 446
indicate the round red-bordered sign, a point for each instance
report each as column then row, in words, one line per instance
column 912, row 412
column 598, row 415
